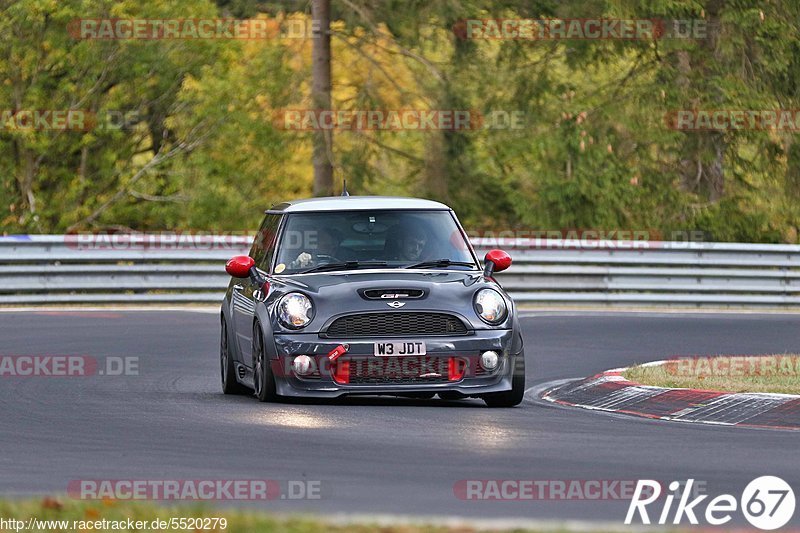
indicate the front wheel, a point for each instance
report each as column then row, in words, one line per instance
column 263, row 379
column 227, row 369
column 517, row 392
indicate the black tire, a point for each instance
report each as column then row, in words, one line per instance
column 263, row 380
column 514, row 396
column 227, row 369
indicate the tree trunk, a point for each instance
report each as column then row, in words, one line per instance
column 321, row 95
column 25, row 170
column 703, row 168
column 715, row 169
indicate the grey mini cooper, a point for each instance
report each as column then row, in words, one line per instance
column 369, row 296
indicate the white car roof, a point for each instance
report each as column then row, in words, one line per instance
column 354, row 203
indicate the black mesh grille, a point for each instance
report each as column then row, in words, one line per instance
column 396, row 324
column 399, row 370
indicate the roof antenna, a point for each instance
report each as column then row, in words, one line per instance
column 344, row 188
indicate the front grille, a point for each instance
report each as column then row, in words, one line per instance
column 396, row 324
column 399, row 370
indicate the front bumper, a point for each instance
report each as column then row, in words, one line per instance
column 394, row 377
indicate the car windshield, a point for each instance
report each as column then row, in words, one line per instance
column 343, row 240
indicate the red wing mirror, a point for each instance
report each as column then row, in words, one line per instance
column 239, row 266
column 496, row 261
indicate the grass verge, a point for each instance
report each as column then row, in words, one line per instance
column 763, row 373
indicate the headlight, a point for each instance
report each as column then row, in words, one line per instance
column 490, row 306
column 295, row 310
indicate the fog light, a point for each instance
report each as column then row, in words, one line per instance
column 489, row 360
column 302, row 365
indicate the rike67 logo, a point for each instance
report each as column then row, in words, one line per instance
column 767, row 502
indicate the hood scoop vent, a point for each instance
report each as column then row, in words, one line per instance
column 391, row 294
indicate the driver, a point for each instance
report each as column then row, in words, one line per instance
column 412, row 240
column 327, row 244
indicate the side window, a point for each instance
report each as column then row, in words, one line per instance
column 264, row 243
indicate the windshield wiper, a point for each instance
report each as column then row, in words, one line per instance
column 344, row 265
column 440, row 263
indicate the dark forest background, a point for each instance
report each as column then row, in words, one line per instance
column 186, row 137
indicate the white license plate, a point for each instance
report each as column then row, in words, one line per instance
column 398, row 349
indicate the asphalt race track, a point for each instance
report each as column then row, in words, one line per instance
column 373, row 456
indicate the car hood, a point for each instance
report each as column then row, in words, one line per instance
column 340, row 293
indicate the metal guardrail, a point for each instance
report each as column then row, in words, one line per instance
column 46, row 269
